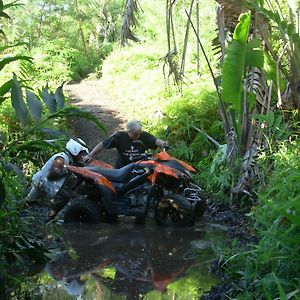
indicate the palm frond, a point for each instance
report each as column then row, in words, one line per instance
column 130, row 22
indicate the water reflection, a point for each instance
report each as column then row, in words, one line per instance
column 122, row 261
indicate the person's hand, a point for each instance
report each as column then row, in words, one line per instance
column 87, row 158
column 166, row 146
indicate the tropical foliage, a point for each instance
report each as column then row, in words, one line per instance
column 240, row 127
column 30, row 129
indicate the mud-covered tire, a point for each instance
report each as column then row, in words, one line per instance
column 174, row 210
column 83, row 211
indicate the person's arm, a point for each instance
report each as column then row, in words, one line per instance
column 96, row 149
column 161, row 143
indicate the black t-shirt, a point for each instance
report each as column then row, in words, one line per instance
column 127, row 148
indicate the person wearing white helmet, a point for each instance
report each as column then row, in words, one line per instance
column 50, row 180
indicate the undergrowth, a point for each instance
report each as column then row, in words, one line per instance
column 270, row 269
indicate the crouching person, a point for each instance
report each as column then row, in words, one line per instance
column 50, row 181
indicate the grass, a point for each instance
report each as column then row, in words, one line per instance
column 271, row 268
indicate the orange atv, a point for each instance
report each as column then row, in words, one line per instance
column 159, row 185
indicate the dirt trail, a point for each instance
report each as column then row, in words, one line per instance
column 93, row 96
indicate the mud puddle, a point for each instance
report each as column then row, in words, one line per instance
column 128, row 261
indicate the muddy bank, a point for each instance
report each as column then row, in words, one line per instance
column 238, row 226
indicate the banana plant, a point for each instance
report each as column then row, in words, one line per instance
column 287, row 26
column 238, row 101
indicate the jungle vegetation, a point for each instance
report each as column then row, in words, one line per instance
column 225, row 77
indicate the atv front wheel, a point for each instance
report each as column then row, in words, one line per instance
column 83, row 211
column 174, row 210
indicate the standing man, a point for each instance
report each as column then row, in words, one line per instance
column 129, row 144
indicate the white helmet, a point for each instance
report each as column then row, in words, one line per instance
column 76, row 146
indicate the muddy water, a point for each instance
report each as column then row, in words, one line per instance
column 127, row 261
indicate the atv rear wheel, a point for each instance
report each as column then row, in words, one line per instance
column 83, row 211
column 174, row 210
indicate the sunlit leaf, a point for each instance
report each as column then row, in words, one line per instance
column 4, row 15
column 12, row 4
column 8, row 60
column 4, row 89
column 2, row 48
column 234, row 64
column 270, row 71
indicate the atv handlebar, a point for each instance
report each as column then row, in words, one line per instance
column 143, row 156
column 148, row 156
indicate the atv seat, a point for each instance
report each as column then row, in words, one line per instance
column 115, row 175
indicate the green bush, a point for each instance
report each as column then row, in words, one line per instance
column 56, row 63
column 199, row 110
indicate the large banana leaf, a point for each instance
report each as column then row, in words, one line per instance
column 49, row 100
column 254, row 54
column 34, row 105
column 59, row 97
column 240, row 55
column 234, row 64
column 18, row 101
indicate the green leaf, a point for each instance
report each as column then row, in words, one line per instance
column 269, row 69
column 254, row 58
column 60, row 98
column 5, row 47
column 241, row 31
column 280, row 288
column 251, row 100
column 270, row 118
column 49, row 100
column 53, row 133
column 233, row 68
column 4, row 89
column 36, row 146
column 10, row 59
column 34, row 105
column 18, row 102
column 13, row 4
column 293, row 219
column 74, row 112
column 232, row 73
column 4, row 15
